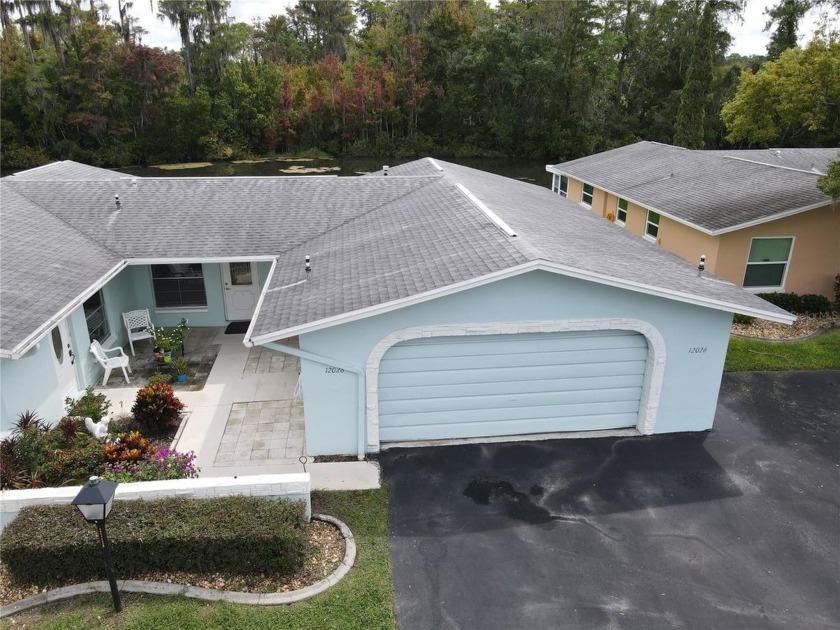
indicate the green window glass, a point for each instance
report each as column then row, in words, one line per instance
column 767, row 262
column 588, row 192
column 621, row 212
column 652, row 227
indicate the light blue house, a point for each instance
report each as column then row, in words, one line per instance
column 440, row 302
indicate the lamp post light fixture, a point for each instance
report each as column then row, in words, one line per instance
column 95, row 500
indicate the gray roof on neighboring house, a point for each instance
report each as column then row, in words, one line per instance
column 711, row 190
column 373, row 241
column 815, row 160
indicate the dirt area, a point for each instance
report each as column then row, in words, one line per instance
column 326, row 553
column 804, row 326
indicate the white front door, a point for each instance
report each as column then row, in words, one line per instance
column 242, row 290
column 65, row 360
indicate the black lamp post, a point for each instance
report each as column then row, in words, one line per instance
column 95, row 500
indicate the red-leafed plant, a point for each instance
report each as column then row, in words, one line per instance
column 156, row 408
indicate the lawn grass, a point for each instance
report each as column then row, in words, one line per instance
column 364, row 599
column 749, row 355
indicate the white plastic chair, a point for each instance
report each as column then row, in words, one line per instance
column 109, row 363
column 139, row 326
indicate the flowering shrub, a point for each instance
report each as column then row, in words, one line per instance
column 156, row 408
column 129, row 447
column 165, row 463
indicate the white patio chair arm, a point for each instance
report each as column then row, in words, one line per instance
column 114, row 349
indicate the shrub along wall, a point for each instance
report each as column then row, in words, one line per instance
column 45, row 545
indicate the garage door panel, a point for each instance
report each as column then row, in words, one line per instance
column 511, row 400
column 451, row 388
column 456, row 430
column 514, row 413
column 502, row 375
column 507, row 344
column 514, row 360
column 488, row 385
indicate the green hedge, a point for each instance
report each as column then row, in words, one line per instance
column 809, row 304
column 244, row 535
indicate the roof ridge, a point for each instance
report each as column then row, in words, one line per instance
column 360, row 215
column 87, row 237
column 786, row 168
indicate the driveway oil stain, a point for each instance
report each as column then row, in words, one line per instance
column 518, row 505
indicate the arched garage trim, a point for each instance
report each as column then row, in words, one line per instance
column 654, row 373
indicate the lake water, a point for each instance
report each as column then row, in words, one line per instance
column 529, row 171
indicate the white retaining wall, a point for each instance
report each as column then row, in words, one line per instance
column 290, row 487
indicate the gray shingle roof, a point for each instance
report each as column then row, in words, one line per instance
column 66, row 170
column 707, row 189
column 211, row 217
column 373, row 240
column 803, row 159
column 44, row 264
column 434, row 238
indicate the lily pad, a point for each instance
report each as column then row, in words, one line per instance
column 182, row 166
column 305, row 170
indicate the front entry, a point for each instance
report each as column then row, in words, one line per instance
column 65, row 360
column 242, row 290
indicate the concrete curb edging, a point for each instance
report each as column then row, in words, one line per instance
column 195, row 592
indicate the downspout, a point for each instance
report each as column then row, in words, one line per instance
column 360, row 379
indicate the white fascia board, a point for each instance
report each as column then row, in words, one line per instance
column 646, row 206
column 24, row 346
column 394, row 305
column 163, row 260
column 247, row 341
column 775, row 217
column 679, row 296
column 564, row 270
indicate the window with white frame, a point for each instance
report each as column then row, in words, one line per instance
column 96, row 318
column 560, row 185
column 621, row 211
column 179, row 286
column 652, row 225
column 588, row 192
column 768, row 261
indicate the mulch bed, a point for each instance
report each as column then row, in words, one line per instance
column 326, row 553
column 804, row 326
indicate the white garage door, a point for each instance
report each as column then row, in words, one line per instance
column 495, row 385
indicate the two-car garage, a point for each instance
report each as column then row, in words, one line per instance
column 511, row 384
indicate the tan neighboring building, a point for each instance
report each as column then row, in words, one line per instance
column 756, row 215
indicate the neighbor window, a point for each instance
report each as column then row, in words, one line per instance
column 767, row 262
column 96, row 318
column 560, row 184
column 588, row 191
column 621, row 211
column 652, row 225
column 179, row 286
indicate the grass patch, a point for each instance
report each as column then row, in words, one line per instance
column 364, row 599
column 751, row 355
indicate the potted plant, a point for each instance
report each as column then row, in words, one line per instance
column 169, row 339
column 180, row 366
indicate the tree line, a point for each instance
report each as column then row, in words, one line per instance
column 531, row 79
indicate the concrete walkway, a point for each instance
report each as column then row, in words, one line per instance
column 247, row 421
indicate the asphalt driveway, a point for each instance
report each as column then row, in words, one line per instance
column 736, row 528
